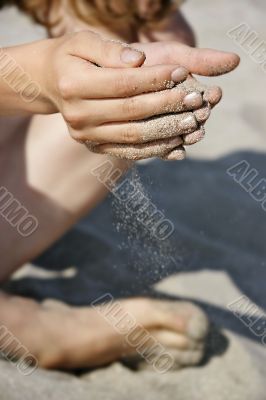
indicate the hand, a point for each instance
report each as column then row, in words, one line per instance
column 174, row 129
column 98, row 104
column 205, row 62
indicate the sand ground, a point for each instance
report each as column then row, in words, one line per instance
column 218, row 246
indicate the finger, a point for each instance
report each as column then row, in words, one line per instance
column 206, row 62
column 162, row 127
column 139, row 152
column 213, row 95
column 177, row 154
column 106, row 53
column 203, row 113
column 193, row 84
column 142, row 107
column 95, row 82
column 194, row 137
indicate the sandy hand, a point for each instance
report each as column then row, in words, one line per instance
column 99, row 104
column 164, row 130
column 205, row 62
column 164, row 135
column 211, row 97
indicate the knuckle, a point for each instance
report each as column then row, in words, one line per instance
column 130, row 135
column 130, row 107
column 84, row 35
column 73, row 119
column 78, row 136
column 66, row 88
column 159, row 79
column 170, row 50
column 124, row 85
column 106, row 47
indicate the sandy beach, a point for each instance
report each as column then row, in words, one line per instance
column 215, row 255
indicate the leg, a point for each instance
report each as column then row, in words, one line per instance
column 66, row 337
column 50, row 175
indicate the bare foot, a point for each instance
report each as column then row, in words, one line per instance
column 69, row 337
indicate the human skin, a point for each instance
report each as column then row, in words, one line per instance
column 50, row 170
column 177, row 38
column 108, row 89
column 38, row 140
column 65, row 69
column 112, row 96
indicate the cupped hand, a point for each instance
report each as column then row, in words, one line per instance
column 103, row 95
column 115, row 108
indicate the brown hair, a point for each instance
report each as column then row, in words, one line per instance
column 108, row 12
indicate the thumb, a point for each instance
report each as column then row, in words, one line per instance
column 206, row 62
column 105, row 53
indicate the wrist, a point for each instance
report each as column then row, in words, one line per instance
column 47, row 78
column 24, row 84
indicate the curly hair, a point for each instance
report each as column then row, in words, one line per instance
column 108, row 12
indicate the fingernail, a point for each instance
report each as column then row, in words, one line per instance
column 179, row 75
column 193, row 100
column 213, row 95
column 188, row 122
column 202, row 114
column 131, row 56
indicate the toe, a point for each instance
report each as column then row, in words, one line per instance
column 171, row 339
column 186, row 358
column 183, row 317
column 198, row 325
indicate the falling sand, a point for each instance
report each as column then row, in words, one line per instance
column 149, row 255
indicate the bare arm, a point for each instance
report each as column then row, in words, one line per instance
column 22, row 79
column 30, row 74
